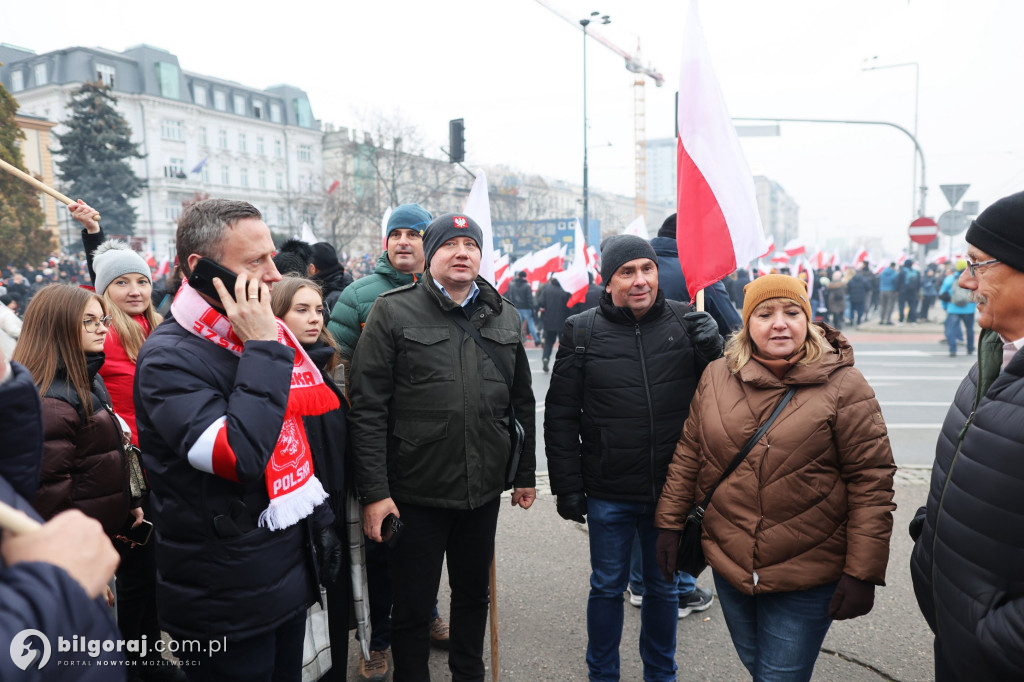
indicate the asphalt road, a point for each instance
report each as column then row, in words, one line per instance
column 543, row 564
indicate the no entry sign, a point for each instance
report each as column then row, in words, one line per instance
column 924, row 230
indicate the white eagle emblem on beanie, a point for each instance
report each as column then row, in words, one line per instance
column 460, row 222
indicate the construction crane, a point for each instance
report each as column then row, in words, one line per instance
column 635, row 66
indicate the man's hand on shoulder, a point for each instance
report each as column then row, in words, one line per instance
column 251, row 317
column 374, row 514
column 524, row 497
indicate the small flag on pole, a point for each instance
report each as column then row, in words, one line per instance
column 478, row 207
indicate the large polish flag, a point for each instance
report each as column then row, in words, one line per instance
column 575, row 279
column 478, row 207
column 717, row 226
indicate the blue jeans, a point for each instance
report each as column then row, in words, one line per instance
column 527, row 317
column 953, row 322
column 684, row 581
column 777, row 634
column 612, row 528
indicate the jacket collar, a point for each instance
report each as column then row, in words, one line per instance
column 488, row 295
column 386, row 269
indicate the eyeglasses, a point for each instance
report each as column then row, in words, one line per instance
column 93, row 325
column 973, row 267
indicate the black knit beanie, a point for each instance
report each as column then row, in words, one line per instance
column 668, row 228
column 447, row 226
column 999, row 231
column 622, row 248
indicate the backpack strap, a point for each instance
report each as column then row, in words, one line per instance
column 581, row 334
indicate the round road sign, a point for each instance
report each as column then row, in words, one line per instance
column 952, row 223
column 924, row 231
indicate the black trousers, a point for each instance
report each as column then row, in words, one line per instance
column 274, row 656
column 550, row 336
column 466, row 537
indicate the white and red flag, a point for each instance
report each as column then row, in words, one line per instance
column 384, row 229
column 637, row 228
column 575, row 280
column 478, row 207
column 718, row 227
column 861, row 256
column 795, row 247
column 502, row 273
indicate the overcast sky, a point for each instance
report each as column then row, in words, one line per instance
column 513, row 71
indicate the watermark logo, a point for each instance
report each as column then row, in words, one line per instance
column 24, row 654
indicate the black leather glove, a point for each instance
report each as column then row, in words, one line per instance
column 703, row 332
column 917, row 523
column 330, row 555
column 667, row 552
column 572, row 507
column 852, row 598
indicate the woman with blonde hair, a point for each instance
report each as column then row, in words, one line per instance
column 797, row 534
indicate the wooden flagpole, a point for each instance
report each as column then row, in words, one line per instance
column 494, row 619
column 42, row 187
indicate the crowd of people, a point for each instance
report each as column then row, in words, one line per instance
column 254, row 416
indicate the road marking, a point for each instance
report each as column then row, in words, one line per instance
column 912, row 426
column 892, row 353
column 911, row 377
column 910, row 403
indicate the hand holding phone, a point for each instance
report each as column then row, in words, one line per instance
column 135, row 535
column 391, row 529
column 202, row 276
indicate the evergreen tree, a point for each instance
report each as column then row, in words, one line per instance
column 22, row 236
column 94, row 158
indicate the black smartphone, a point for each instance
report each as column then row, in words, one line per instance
column 390, row 529
column 138, row 534
column 202, row 276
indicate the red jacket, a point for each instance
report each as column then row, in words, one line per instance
column 118, row 372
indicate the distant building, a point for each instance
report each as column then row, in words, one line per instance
column 35, row 152
column 661, row 170
column 780, row 216
column 198, row 133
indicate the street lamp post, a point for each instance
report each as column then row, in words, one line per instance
column 586, row 187
column 917, row 90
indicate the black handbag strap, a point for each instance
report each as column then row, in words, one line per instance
column 467, row 326
column 699, row 510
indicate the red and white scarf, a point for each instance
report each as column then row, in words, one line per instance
column 293, row 488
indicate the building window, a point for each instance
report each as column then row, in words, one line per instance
column 257, row 109
column 261, row 178
column 220, row 101
column 202, row 136
column 305, row 152
column 275, row 112
column 303, row 113
column 171, row 130
column 241, row 142
column 279, row 180
column 222, row 139
column 225, row 175
column 239, row 101
column 199, row 94
column 40, row 73
column 169, row 78
column 175, row 168
column 105, row 75
column 259, row 146
column 205, row 173
column 243, row 177
column 277, row 149
column 172, row 212
column 17, row 80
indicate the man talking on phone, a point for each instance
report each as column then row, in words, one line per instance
column 429, row 425
column 220, row 390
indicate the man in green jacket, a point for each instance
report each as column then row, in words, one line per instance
column 399, row 265
column 431, row 441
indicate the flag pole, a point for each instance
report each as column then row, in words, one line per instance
column 700, row 301
column 494, row 618
column 18, row 173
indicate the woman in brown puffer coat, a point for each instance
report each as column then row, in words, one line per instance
column 798, row 534
column 83, row 457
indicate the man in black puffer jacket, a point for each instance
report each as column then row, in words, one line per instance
column 969, row 540
column 612, row 418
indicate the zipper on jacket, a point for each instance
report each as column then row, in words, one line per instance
column 760, row 519
column 650, row 412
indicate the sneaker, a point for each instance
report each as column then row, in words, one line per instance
column 698, row 600
column 439, row 633
column 376, row 669
column 635, row 598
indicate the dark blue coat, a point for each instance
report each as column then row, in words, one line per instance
column 672, row 282
column 212, row 580
column 36, row 595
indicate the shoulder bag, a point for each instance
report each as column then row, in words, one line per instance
column 690, row 556
column 517, row 434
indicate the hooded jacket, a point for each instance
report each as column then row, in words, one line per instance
column 353, row 306
column 612, row 418
column 966, row 562
column 84, row 465
column 813, row 498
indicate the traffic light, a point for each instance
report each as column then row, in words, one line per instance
column 456, row 141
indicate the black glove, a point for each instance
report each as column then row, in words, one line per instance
column 667, row 552
column 917, row 523
column 703, row 332
column 852, row 598
column 330, row 555
column 572, row 507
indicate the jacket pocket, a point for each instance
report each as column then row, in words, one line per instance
column 506, row 340
column 416, row 460
column 428, row 353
